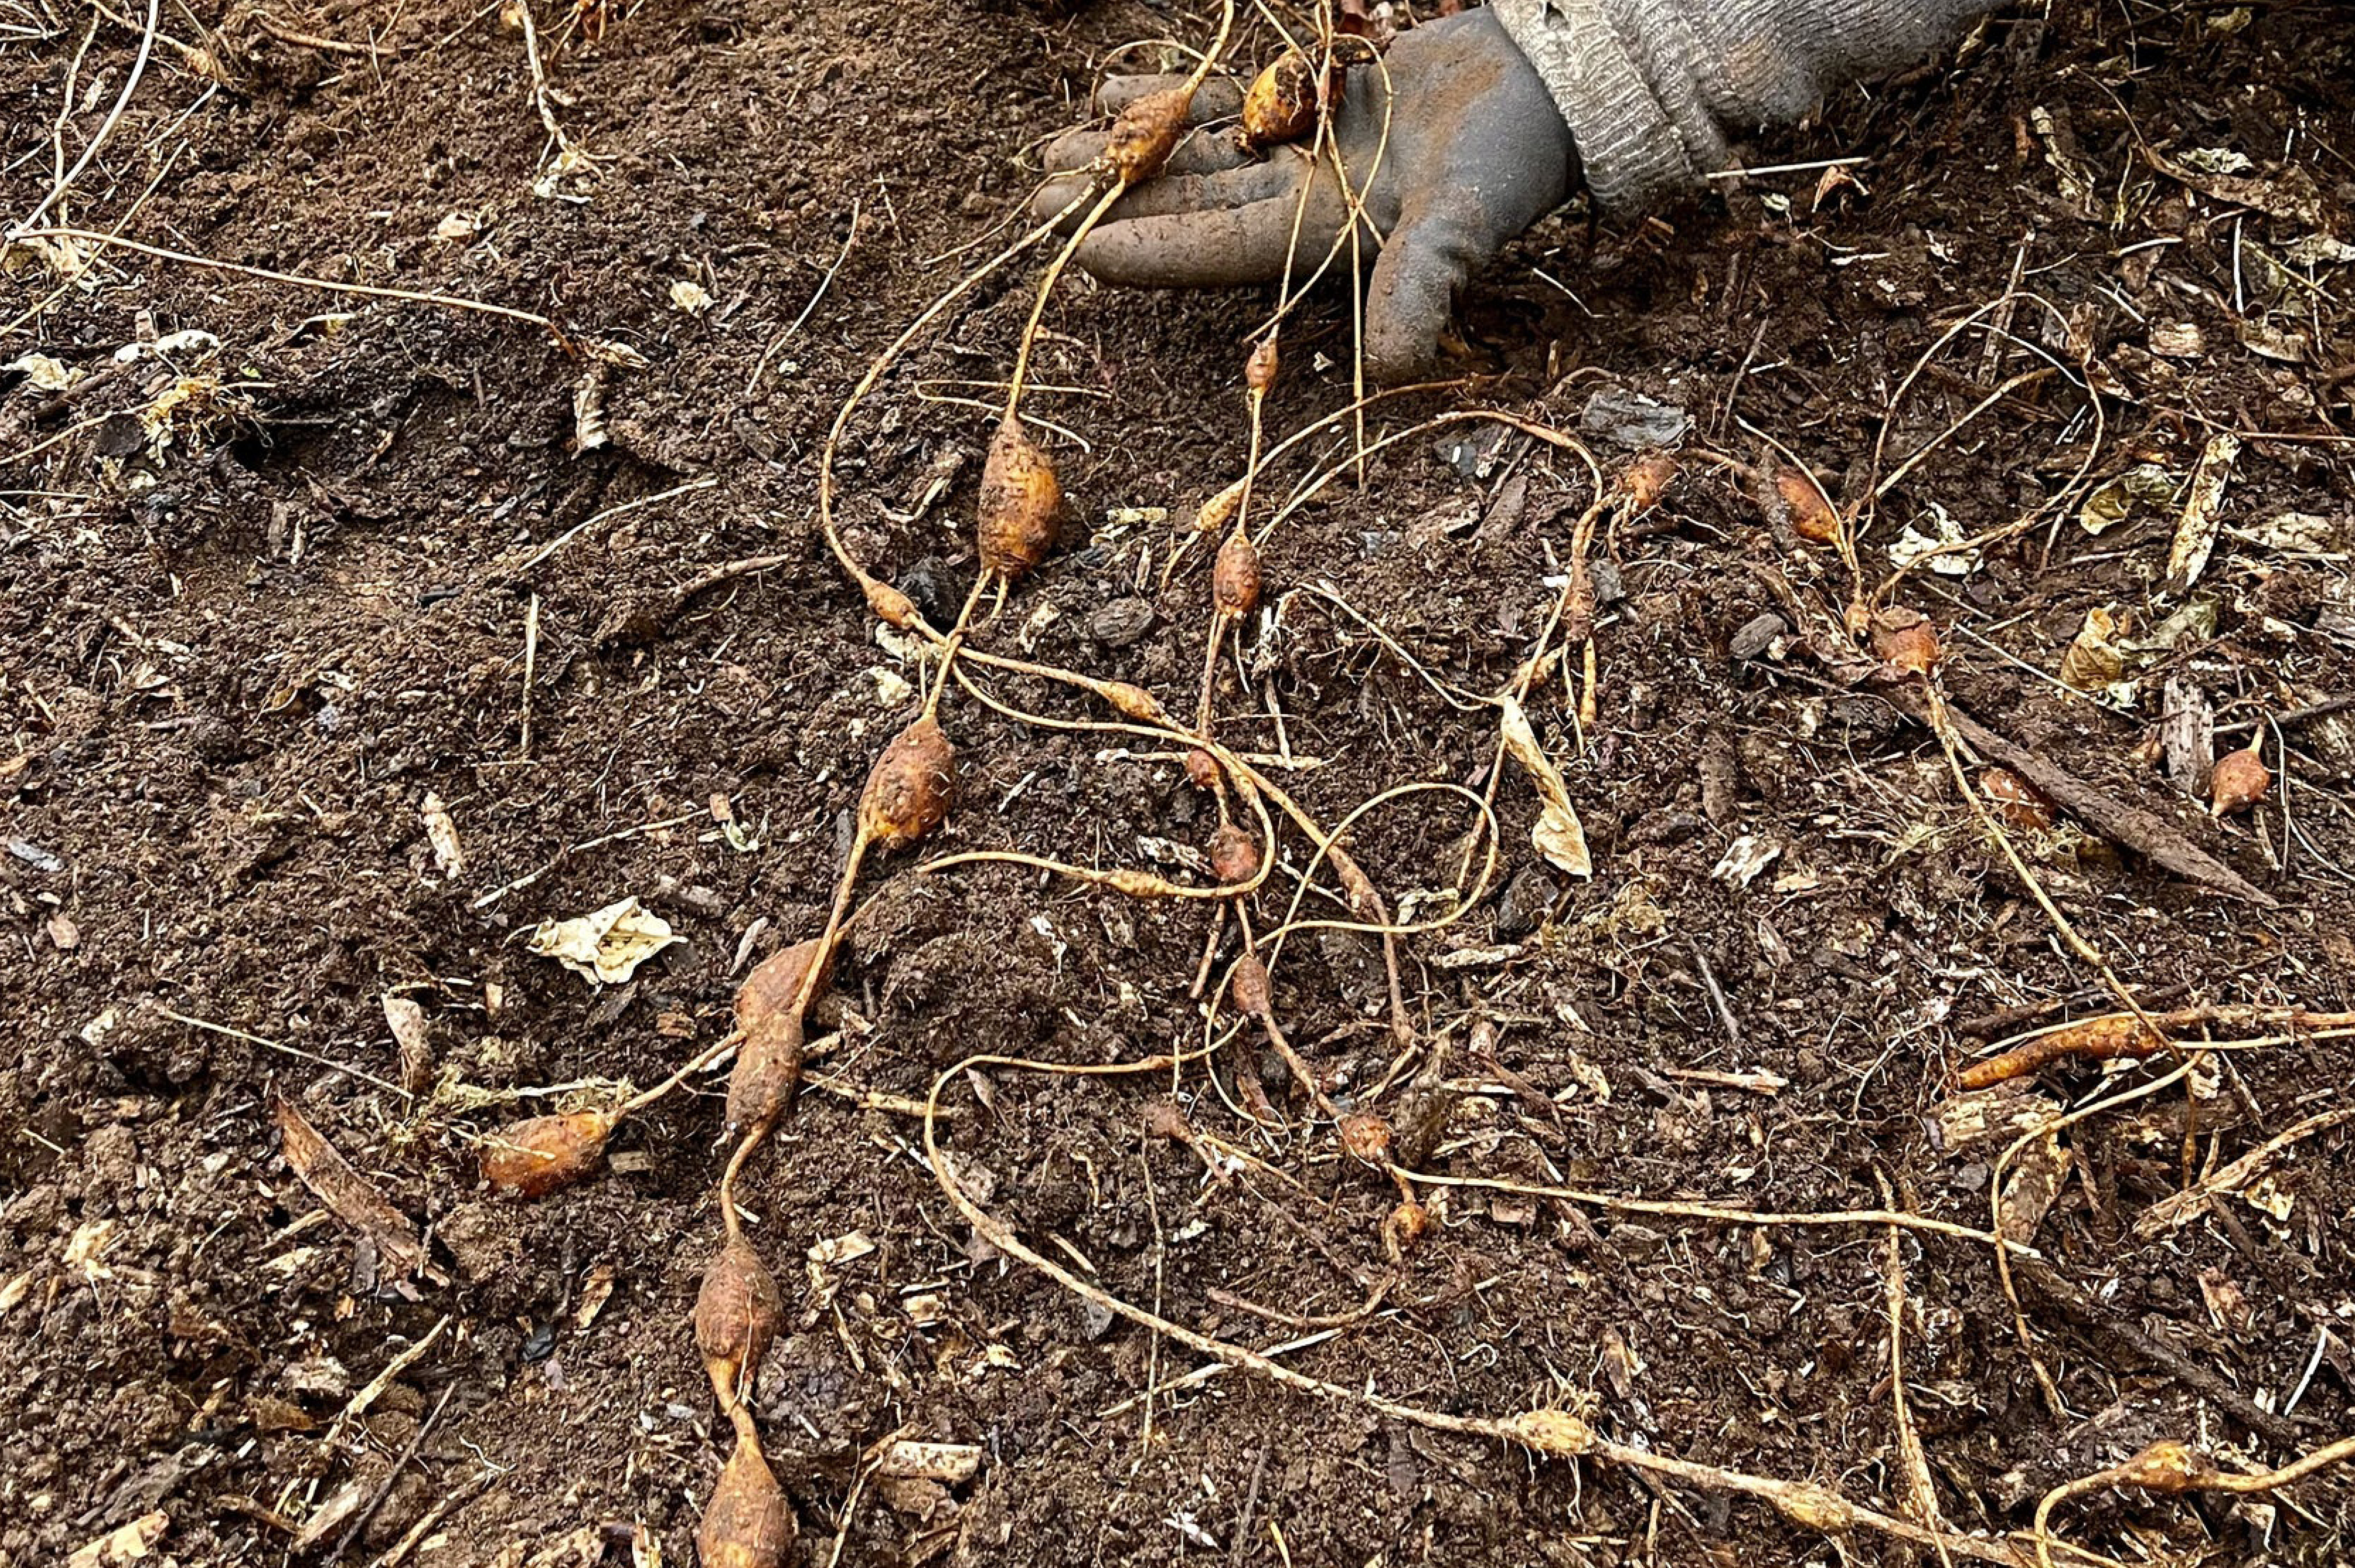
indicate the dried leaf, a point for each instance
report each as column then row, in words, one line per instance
column 2195, row 535
column 2144, row 486
column 413, row 1040
column 349, row 1196
column 690, row 296
column 128, row 1544
column 1559, row 835
column 2093, row 662
column 42, row 373
column 442, row 833
column 606, row 947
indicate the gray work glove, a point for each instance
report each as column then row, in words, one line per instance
column 1476, row 152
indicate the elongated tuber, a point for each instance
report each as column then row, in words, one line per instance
column 2099, row 1039
column 1812, row 518
column 736, row 1317
column 1234, row 578
column 1282, row 103
column 534, row 1157
column 1021, row 502
column 1648, row 480
column 768, row 1008
column 747, row 1524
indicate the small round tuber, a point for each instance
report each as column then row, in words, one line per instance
column 1555, row 1432
column 736, row 1317
column 889, row 605
column 534, row 1157
column 1234, row 855
column 1234, row 577
column 1812, row 518
column 1021, row 502
column 1202, row 770
column 1813, row 1508
column 1282, row 103
column 2167, row 1467
column 1404, row 1227
column 747, row 1524
column 908, row 790
column 1134, row 702
column 1145, row 134
column 2239, row 782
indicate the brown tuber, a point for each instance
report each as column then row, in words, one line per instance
column 1648, row 480
column 1234, row 855
column 1021, row 502
column 2102, row 1039
column 908, row 789
column 1282, row 103
column 1365, row 1138
column 2240, row 780
column 1234, row 577
column 1904, row 639
column 534, row 1158
column 747, row 1524
column 1812, row 518
column 1259, row 369
column 769, row 1015
column 736, row 1317
column 1202, row 770
column 1250, row 987
column 1145, row 134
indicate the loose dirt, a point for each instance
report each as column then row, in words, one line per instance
column 269, row 589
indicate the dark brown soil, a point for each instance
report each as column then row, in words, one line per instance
column 241, row 643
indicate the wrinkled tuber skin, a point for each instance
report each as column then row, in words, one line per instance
column 769, row 1014
column 534, row 1157
column 1259, row 369
column 908, row 793
column 1234, row 578
column 1145, row 134
column 1282, row 103
column 1021, row 503
column 1234, row 855
column 736, row 1317
column 748, row 1524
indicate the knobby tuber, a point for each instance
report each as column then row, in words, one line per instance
column 1021, row 502
column 768, row 1007
column 747, row 1524
column 1812, row 518
column 1282, row 103
column 736, row 1317
column 534, row 1157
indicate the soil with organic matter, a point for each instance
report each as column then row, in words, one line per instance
column 346, row 639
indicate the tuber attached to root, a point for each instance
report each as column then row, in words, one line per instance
column 1281, row 104
column 2016, row 800
column 2107, row 1038
column 736, row 1317
column 1812, row 518
column 534, row 1157
column 1235, row 579
column 909, row 790
column 1905, row 639
column 1234, row 855
column 2238, row 782
column 768, row 1007
column 747, row 1524
column 1021, row 503
column 1648, row 480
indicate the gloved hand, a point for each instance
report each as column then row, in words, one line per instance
column 1476, row 152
